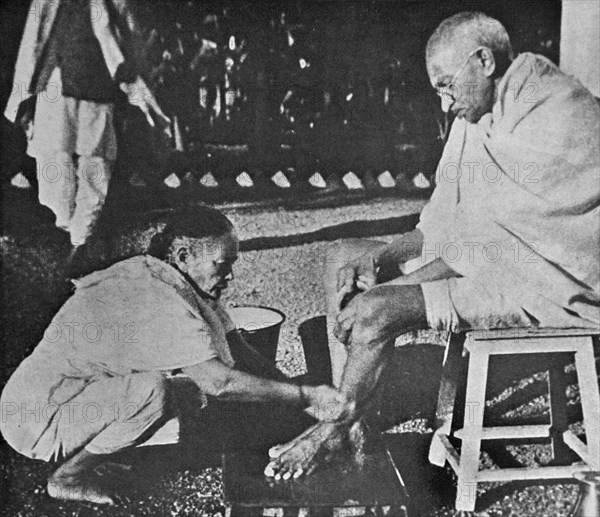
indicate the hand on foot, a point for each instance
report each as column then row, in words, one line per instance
column 327, row 404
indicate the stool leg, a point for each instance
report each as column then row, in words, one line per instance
column 561, row 453
column 446, row 397
column 590, row 399
column 466, row 492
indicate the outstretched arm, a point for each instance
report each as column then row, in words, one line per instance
column 407, row 247
column 214, row 378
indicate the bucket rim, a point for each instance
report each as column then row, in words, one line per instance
column 272, row 309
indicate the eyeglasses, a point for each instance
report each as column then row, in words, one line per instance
column 223, row 267
column 450, row 92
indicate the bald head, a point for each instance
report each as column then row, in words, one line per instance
column 464, row 32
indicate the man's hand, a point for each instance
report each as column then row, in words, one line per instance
column 327, row 404
column 140, row 95
column 345, row 320
column 358, row 275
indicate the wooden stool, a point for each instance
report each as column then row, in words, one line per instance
column 483, row 344
column 372, row 488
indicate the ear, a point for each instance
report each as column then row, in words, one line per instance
column 181, row 255
column 487, row 61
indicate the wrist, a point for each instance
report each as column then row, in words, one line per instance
column 304, row 401
column 373, row 263
column 378, row 255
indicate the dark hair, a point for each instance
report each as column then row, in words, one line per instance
column 197, row 222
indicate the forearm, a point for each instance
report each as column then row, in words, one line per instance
column 407, row 247
column 243, row 387
column 430, row 272
column 216, row 379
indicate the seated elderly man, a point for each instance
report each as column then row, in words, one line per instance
column 510, row 236
column 96, row 382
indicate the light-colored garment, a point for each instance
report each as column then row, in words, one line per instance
column 450, row 307
column 114, row 27
column 139, row 316
column 516, row 209
column 75, row 192
column 73, row 126
column 64, row 127
column 70, row 126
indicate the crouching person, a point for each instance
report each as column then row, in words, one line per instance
column 96, row 384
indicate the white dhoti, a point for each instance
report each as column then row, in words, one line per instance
column 75, row 145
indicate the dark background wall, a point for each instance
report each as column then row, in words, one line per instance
column 329, row 85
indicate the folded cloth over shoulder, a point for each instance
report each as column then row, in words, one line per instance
column 517, row 202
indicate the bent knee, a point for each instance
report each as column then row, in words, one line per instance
column 149, row 388
column 374, row 309
column 376, row 319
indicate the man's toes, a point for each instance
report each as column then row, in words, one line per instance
column 282, row 469
column 281, row 472
column 275, row 469
column 270, row 470
column 286, row 472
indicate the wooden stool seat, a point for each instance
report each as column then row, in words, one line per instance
column 481, row 345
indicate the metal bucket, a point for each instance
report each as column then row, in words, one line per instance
column 260, row 327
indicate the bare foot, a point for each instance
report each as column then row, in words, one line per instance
column 278, row 450
column 78, row 489
column 307, row 451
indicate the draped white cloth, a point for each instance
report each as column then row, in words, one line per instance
column 516, row 208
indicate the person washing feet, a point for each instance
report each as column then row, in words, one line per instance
column 96, row 383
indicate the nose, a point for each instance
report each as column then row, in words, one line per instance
column 229, row 276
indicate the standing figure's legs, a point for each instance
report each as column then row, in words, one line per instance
column 65, row 127
column 57, row 185
column 93, row 176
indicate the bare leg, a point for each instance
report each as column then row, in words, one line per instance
column 75, row 480
column 382, row 314
column 338, row 255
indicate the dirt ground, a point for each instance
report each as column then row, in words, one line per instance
column 186, row 480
